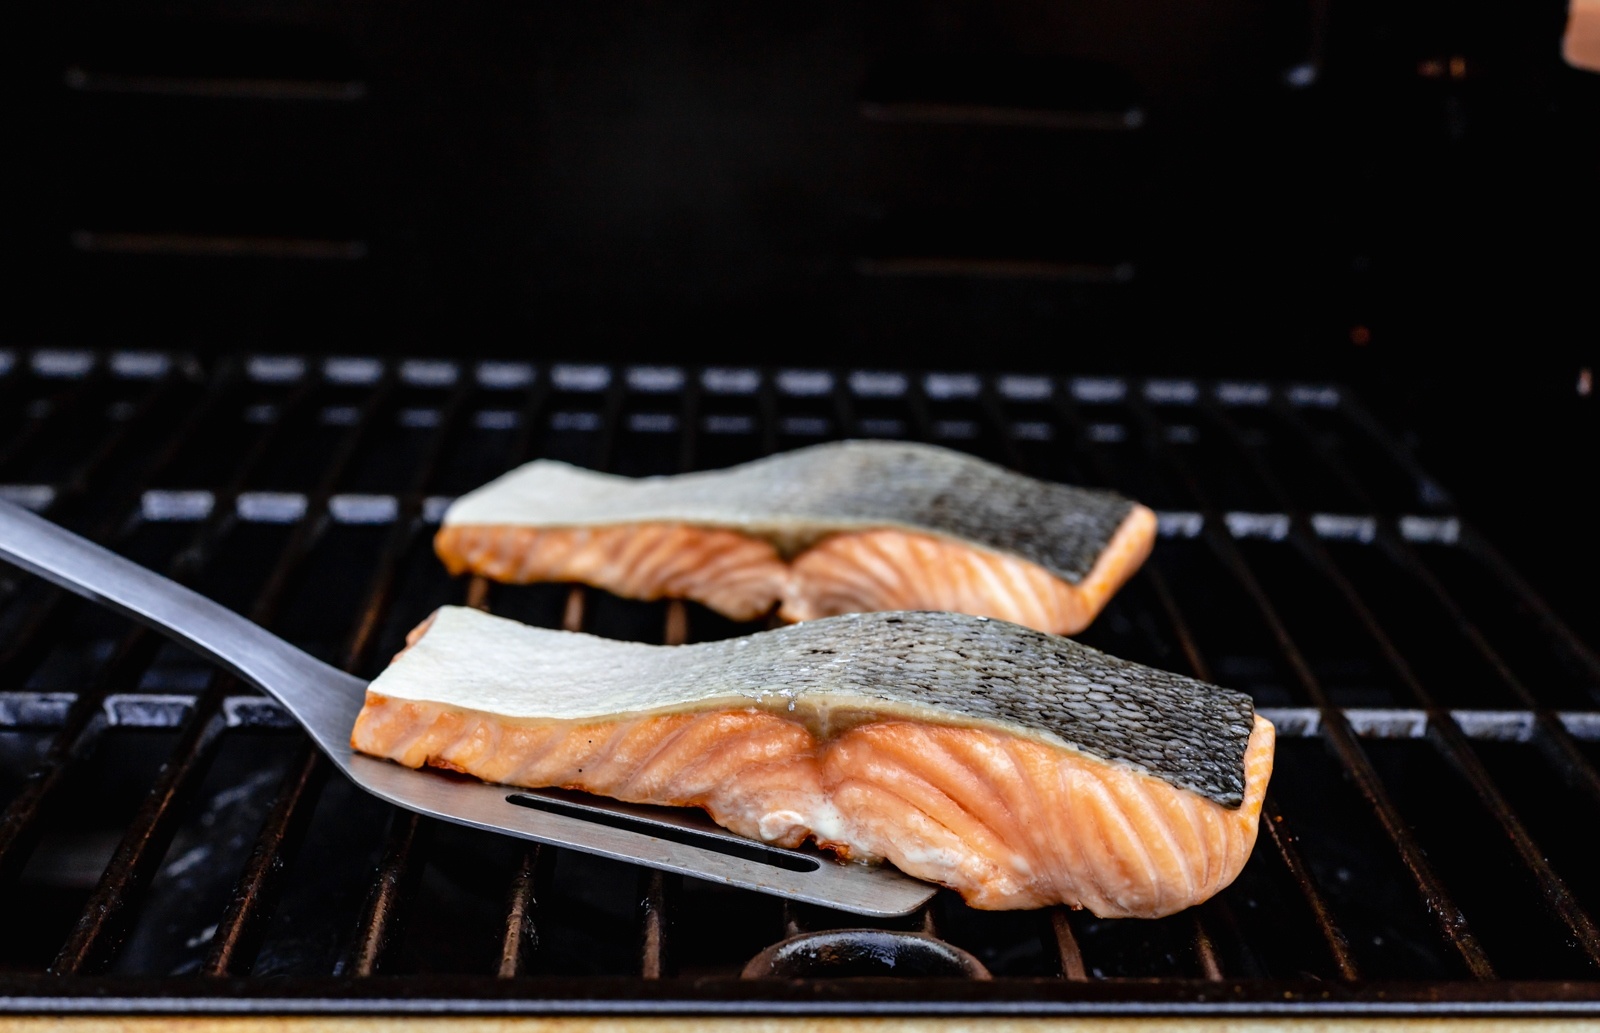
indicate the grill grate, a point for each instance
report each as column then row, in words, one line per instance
column 169, row 841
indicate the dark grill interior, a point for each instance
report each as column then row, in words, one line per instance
column 168, row 839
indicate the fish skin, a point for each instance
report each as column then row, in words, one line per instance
column 1005, row 815
column 839, row 672
column 795, row 499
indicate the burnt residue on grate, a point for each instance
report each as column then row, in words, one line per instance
column 162, row 827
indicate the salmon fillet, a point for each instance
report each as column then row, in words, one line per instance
column 840, row 528
column 1135, row 793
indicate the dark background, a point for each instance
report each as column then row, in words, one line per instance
column 1397, row 195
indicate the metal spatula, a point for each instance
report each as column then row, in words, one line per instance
column 325, row 701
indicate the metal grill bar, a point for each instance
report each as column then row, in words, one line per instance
column 115, row 444
column 1490, row 557
column 99, row 928
column 1205, row 951
column 35, row 636
column 76, row 397
column 1333, row 937
column 1554, row 739
column 397, row 873
column 1341, row 738
column 256, row 892
column 243, row 923
column 1483, row 551
column 1068, row 952
column 521, row 939
column 654, row 916
column 1449, row 917
column 1446, row 734
column 379, row 922
column 536, row 864
column 86, row 720
column 85, row 723
column 1272, row 818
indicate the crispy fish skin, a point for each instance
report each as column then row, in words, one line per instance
column 831, row 529
column 1019, row 769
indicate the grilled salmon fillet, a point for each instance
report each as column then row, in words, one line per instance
column 839, row 528
column 1019, row 769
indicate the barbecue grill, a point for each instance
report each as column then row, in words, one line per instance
column 170, row 843
column 294, row 276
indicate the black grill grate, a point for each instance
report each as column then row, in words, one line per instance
column 169, row 841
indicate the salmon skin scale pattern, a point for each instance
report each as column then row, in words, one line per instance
column 837, row 673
